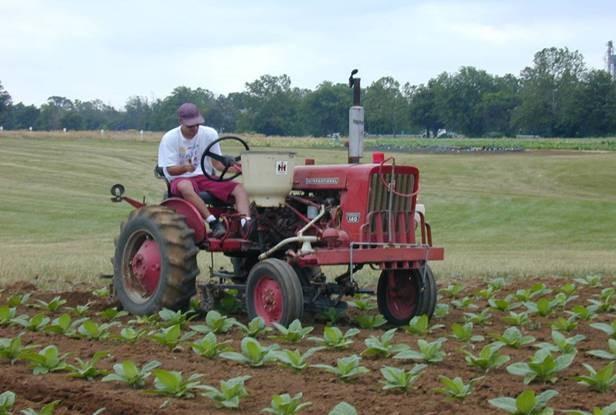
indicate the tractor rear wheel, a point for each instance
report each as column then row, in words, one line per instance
column 403, row 294
column 155, row 263
column 429, row 293
column 274, row 292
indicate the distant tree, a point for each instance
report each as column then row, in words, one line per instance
column 52, row 113
column 5, row 105
column 273, row 107
column 326, row 109
column 461, row 101
column 423, row 109
column 497, row 106
column 22, row 116
column 138, row 113
column 597, row 102
column 386, row 108
column 548, row 91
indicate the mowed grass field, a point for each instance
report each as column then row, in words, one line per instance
column 508, row 214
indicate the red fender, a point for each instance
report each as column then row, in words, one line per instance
column 191, row 214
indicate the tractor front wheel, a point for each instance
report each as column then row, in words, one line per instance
column 403, row 294
column 274, row 292
column 155, row 263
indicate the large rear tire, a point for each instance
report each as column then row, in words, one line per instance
column 404, row 294
column 155, row 263
column 274, row 292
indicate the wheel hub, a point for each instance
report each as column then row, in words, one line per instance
column 145, row 267
column 401, row 295
column 268, row 300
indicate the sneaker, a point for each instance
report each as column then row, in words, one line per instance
column 247, row 228
column 218, row 228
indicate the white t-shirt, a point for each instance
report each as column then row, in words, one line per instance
column 175, row 150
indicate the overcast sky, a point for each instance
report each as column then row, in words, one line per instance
column 114, row 49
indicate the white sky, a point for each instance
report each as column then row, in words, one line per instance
column 114, row 49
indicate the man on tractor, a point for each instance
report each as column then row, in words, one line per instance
column 179, row 154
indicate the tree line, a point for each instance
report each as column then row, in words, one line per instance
column 557, row 96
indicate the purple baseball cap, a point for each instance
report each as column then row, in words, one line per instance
column 189, row 114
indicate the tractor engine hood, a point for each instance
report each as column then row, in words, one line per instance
column 329, row 177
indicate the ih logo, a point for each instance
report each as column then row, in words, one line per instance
column 282, row 168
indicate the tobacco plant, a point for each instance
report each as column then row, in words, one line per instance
column 370, row 321
column 346, row 368
column 230, row 393
column 7, row 400
column 333, row 338
column 464, row 333
column 606, row 410
column 400, row 379
column 131, row 335
column 90, row 329
column 581, row 312
column 128, row 372
column 86, row 369
column 12, row 349
column 216, row 323
column 609, row 329
column 171, row 318
column 362, row 303
column 172, row 383
column 542, row 367
column 455, row 388
column 286, row 404
column 526, row 403
column 420, row 325
column 452, row 290
column 598, row 380
column 561, row 343
column 38, row 322
column 382, row 346
column 294, row 358
column 294, row 333
column 18, row 299
column 479, row 319
column 170, row 336
column 488, row 358
column 252, row 353
column 45, row 361
column 255, row 328
column 513, row 337
column 343, row 408
column 429, row 352
column 7, row 314
column 609, row 354
column 209, row 347
column 47, row 409
column 52, row 306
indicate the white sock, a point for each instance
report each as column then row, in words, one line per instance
column 244, row 220
column 210, row 219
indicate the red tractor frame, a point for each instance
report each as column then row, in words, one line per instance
column 354, row 215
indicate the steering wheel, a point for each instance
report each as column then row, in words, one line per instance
column 208, row 153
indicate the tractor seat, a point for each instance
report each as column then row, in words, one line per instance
column 205, row 196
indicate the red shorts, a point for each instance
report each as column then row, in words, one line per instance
column 220, row 190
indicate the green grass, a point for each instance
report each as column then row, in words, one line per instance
column 512, row 214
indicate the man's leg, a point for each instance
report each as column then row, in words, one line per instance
column 242, row 204
column 187, row 191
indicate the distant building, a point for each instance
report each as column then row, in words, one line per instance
column 611, row 59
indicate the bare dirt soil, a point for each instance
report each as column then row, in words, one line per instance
column 323, row 389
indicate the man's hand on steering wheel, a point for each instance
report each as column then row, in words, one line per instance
column 229, row 163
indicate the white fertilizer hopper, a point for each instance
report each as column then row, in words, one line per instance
column 268, row 176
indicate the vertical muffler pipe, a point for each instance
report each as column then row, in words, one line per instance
column 356, row 121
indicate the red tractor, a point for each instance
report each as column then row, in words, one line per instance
column 305, row 217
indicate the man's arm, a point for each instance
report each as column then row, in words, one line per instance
column 179, row 170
